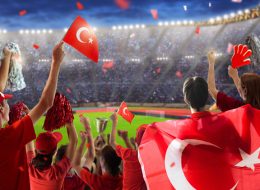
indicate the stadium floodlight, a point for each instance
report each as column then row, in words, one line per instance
column 191, row 22
column 50, row 31
column 142, row 26
column 114, row 28
column 38, row 31
column 247, row 11
column 125, row 27
column 26, row 31
column 44, row 31
column 119, row 27
column 232, row 15
column 95, row 29
column 131, row 26
column 160, row 24
column 65, row 29
column 172, row 23
column 166, row 23
column 137, row 26
column 211, row 20
column 32, row 31
column 20, row 31
column 239, row 12
column 218, row 18
column 185, row 22
column 4, row 31
column 225, row 17
column 178, row 22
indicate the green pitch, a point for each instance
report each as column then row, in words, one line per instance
column 122, row 124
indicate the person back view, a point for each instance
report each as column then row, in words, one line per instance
column 14, row 137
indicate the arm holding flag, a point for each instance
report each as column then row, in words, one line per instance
column 211, row 75
column 73, row 140
column 124, row 135
column 49, row 90
column 4, row 69
column 113, row 131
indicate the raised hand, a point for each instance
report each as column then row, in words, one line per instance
column 113, row 117
column 122, row 133
column 85, row 122
column 211, row 57
column 58, row 53
column 241, row 56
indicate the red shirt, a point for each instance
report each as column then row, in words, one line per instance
column 13, row 166
column 49, row 179
column 226, row 103
column 73, row 182
column 101, row 182
column 132, row 172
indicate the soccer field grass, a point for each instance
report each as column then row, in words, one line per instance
column 122, row 124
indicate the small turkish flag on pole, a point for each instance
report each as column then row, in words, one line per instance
column 125, row 113
column 81, row 36
column 154, row 13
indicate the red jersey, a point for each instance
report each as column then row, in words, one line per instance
column 225, row 102
column 132, row 173
column 51, row 178
column 73, row 182
column 13, row 165
column 101, row 182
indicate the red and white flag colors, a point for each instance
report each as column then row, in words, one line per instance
column 197, row 31
column 154, row 13
column 108, row 65
column 81, row 36
column 125, row 113
column 36, row 46
column 79, row 5
column 241, row 56
column 214, row 152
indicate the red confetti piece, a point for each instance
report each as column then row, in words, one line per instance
column 36, row 46
column 197, row 31
column 87, row 145
column 154, row 13
column 80, row 6
column 122, row 4
column 22, row 12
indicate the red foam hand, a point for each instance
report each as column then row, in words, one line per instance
column 241, row 56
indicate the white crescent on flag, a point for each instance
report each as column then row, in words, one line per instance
column 124, row 111
column 80, row 30
column 173, row 162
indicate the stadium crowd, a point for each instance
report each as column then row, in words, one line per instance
column 107, row 165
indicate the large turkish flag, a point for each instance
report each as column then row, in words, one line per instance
column 215, row 152
column 81, row 36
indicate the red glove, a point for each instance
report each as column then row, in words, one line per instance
column 241, row 56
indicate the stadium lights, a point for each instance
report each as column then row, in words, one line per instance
column 38, row 31
column 125, row 27
column 178, row 22
column 172, row 23
column 232, row 15
column 106, row 60
column 218, row 18
column 26, row 31
column 95, row 29
column 4, row 31
column 50, row 31
column 212, row 20
column 160, row 24
column 185, row 22
column 21, row 31
column 131, row 26
column 247, row 11
column 44, row 60
column 240, row 12
column 225, row 17
column 137, row 26
column 32, row 31
column 65, row 29
column 166, row 23
column 142, row 26
column 44, row 31
column 191, row 22
column 162, row 58
column 119, row 27
column 135, row 60
column 114, row 28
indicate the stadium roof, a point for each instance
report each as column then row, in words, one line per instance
column 59, row 14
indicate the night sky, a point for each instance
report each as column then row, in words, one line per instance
column 59, row 14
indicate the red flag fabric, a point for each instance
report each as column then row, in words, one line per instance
column 158, row 70
column 214, row 152
column 230, row 48
column 241, row 56
column 125, row 113
column 154, row 13
column 36, row 46
column 108, row 65
column 79, row 5
column 122, row 4
column 197, row 31
column 81, row 36
column 22, row 12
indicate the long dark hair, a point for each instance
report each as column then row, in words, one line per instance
column 251, row 82
column 42, row 162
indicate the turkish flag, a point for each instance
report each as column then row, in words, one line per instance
column 122, row 4
column 213, row 152
column 197, row 31
column 81, row 36
column 230, row 48
column 154, row 13
column 125, row 113
column 22, row 12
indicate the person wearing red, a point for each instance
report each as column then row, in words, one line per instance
column 248, row 86
column 132, row 173
column 109, row 162
column 44, row 175
column 14, row 137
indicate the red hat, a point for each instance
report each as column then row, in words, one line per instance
column 139, row 133
column 46, row 143
column 5, row 96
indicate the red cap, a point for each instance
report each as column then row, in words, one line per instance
column 46, row 143
column 139, row 133
column 5, row 96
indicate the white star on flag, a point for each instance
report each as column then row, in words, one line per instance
column 249, row 160
column 90, row 40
